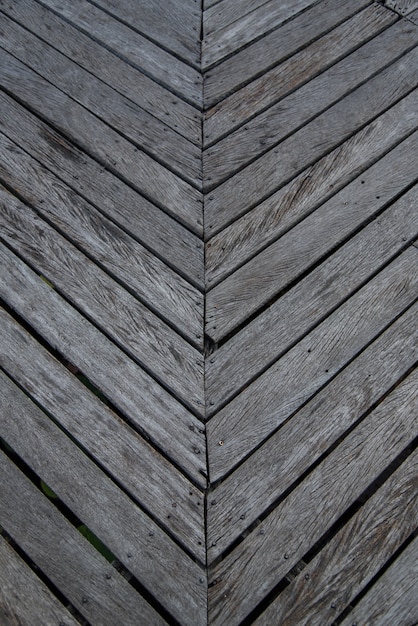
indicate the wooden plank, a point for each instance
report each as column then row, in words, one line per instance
column 278, row 328
column 262, row 20
column 50, row 540
column 24, row 599
column 270, row 551
column 324, row 133
column 117, row 73
column 103, row 508
column 155, row 413
column 224, row 13
column 269, row 51
column 264, row 276
column 335, row 52
column 174, row 24
column 264, row 405
column 272, row 218
column 333, row 578
column 393, row 597
column 128, row 458
column 145, row 221
column 139, row 51
column 163, row 187
column 413, row 17
column 158, row 287
column 174, row 362
column 403, row 7
column 240, row 499
column 122, row 114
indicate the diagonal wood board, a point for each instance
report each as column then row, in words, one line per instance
column 208, row 245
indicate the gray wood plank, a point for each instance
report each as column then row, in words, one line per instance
column 264, row 405
column 145, row 221
column 413, row 17
column 183, row 79
column 174, row 362
column 332, row 579
column 117, row 73
column 262, row 20
column 269, row 51
column 163, row 187
column 277, row 214
column 144, row 473
column 331, row 52
column 103, row 508
column 224, row 13
column 24, row 599
column 161, row 289
column 122, row 114
column 153, row 411
column 249, row 491
column 270, row 551
column 392, row 599
column 174, row 24
column 404, row 7
column 284, row 323
column 50, row 540
column 280, row 164
column 258, row 281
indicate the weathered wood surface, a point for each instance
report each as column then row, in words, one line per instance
column 403, row 7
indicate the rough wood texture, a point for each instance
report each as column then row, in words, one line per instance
column 403, row 7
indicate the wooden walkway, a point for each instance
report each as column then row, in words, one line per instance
column 209, row 253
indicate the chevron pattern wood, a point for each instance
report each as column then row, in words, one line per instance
column 208, row 244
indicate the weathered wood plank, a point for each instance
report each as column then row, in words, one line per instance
column 120, row 75
column 91, row 584
column 392, row 599
column 240, row 499
column 122, row 114
column 174, row 362
column 183, row 79
column 136, row 541
column 24, row 599
column 404, row 7
column 262, row 20
column 145, row 221
column 163, row 420
column 327, row 85
column 264, row 276
column 351, row 559
column 413, row 17
column 172, row 23
column 107, row 438
column 282, row 539
column 161, row 289
column 264, row 404
column 272, row 218
column 284, row 323
column 224, row 13
column 155, row 181
column 264, row 53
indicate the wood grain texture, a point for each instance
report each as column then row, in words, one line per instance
column 135, row 85
column 267, row 129
column 161, row 289
column 333, row 578
column 163, row 187
column 297, row 523
column 403, row 7
column 227, row 11
column 129, row 459
column 102, row 507
column 151, row 409
column 138, row 50
column 264, row 405
column 144, row 220
column 50, row 540
column 393, row 597
column 264, row 276
column 142, row 334
column 279, row 165
column 413, row 17
column 271, row 469
column 265, row 53
column 277, row 214
column 24, row 599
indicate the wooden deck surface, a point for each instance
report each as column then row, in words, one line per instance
column 209, row 285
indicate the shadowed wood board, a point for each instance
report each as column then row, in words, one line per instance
column 208, row 292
